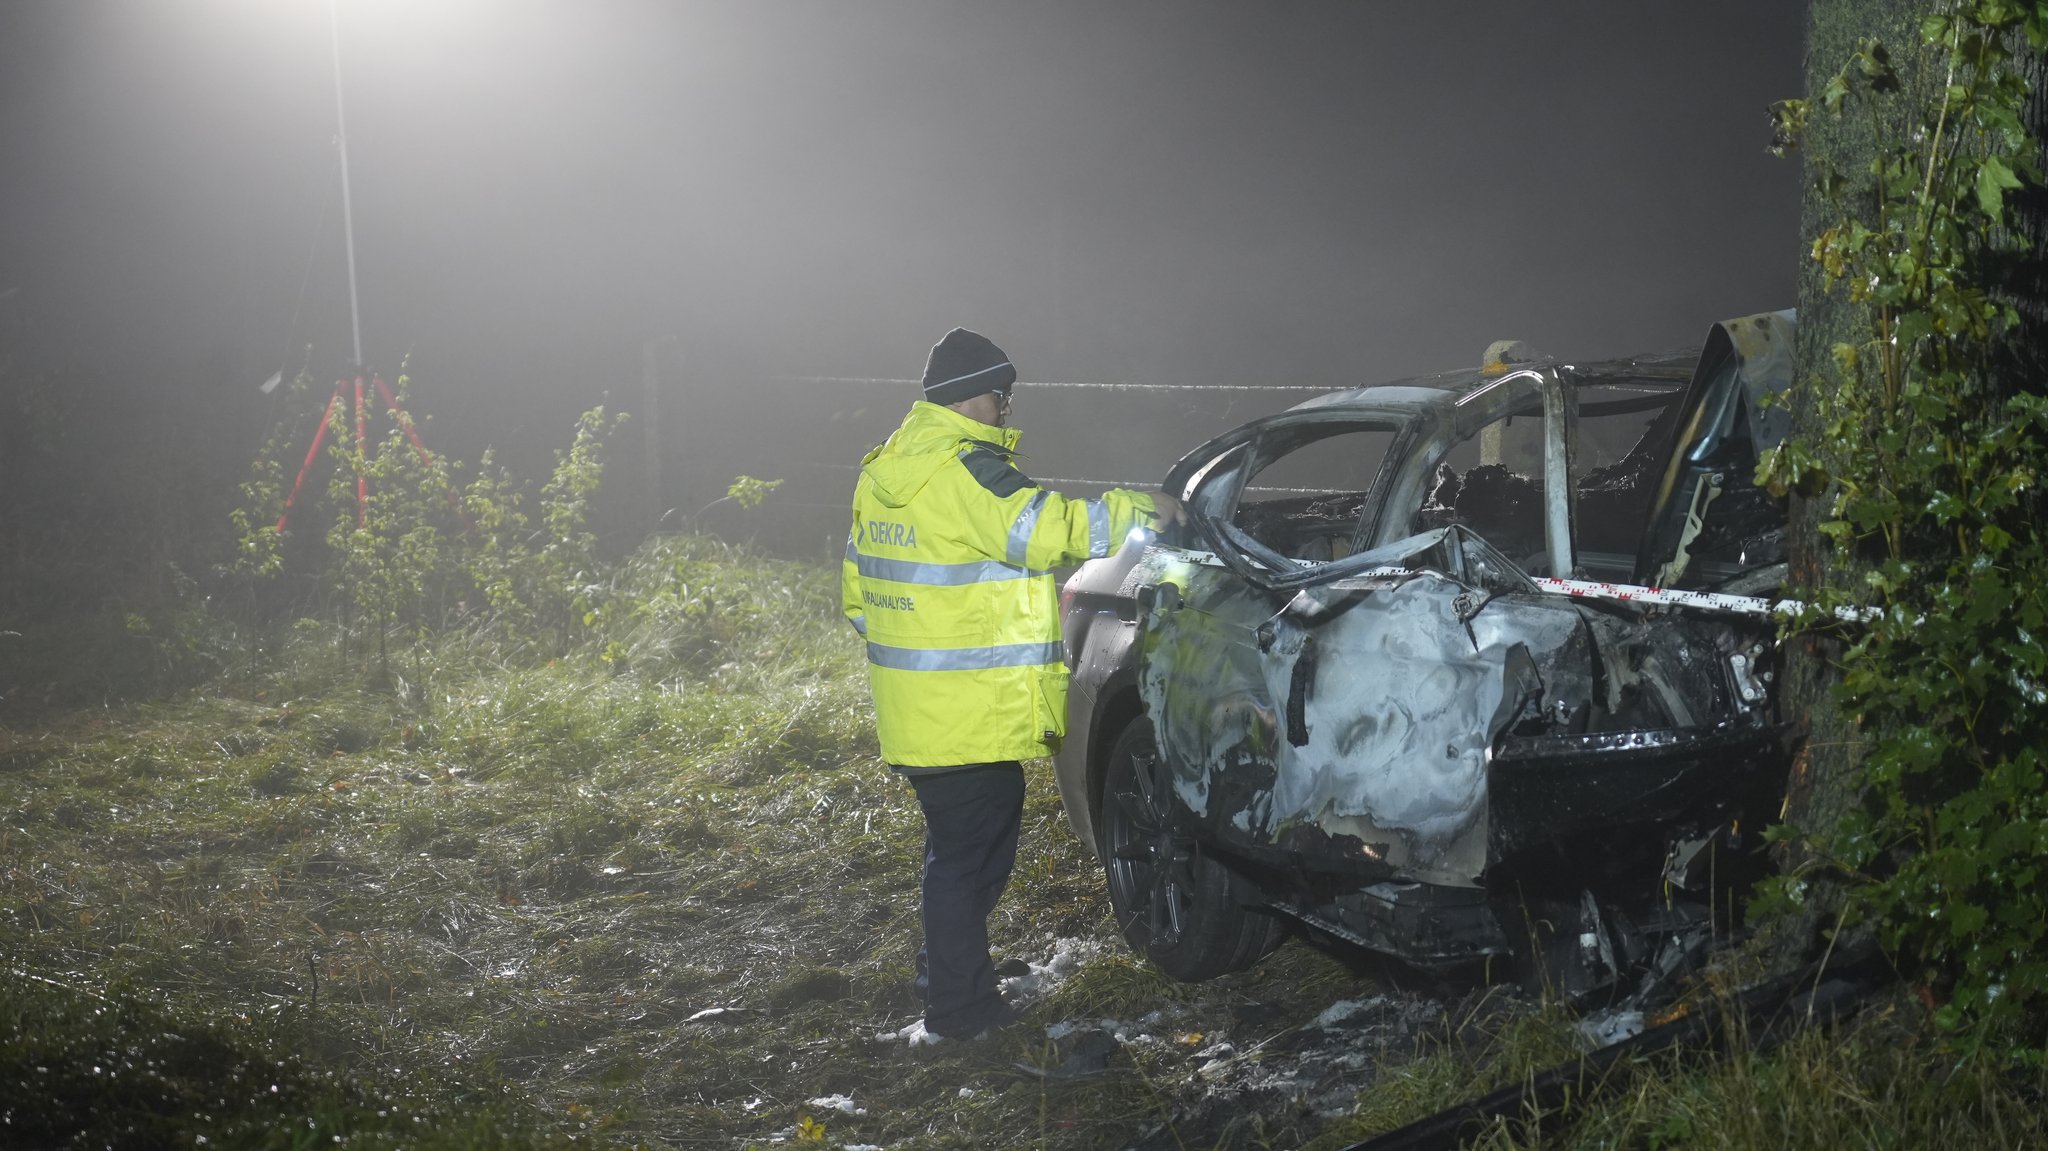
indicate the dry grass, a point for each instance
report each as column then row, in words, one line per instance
column 669, row 897
column 671, row 894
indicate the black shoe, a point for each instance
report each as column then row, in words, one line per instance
column 1006, row 1018
column 1001, row 1020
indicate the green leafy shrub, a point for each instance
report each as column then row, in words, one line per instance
column 412, row 549
column 565, row 582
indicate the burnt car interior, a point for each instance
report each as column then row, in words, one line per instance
column 1306, row 497
column 1492, row 481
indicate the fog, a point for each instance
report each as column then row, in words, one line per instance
column 1312, row 195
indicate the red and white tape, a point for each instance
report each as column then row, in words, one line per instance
column 1679, row 597
column 1707, row 601
column 1666, row 597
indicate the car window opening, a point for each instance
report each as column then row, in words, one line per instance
column 1305, row 502
column 1491, row 482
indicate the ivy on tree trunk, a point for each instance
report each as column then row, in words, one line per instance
column 1915, row 473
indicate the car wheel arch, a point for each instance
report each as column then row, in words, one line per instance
column 1120, row 706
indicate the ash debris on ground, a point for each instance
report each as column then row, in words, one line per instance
column 1250, row 1063
column 1230, row 1066
column 1235, row 1076
column 1609, row 1027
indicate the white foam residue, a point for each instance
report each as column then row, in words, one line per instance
column 1344, row 1009
column 1064, row 1028
column 915, row 1035
column 840, row 1103
column 1068, row 956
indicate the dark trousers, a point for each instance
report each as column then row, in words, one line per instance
column 971, row 816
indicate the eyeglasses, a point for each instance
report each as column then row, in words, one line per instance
column 1002, row 404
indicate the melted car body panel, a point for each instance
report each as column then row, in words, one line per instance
column 1371, row 715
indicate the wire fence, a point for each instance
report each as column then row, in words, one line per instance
column 1095, row 384
column 1086, row 481
column 1135, row 434
column 1076, row 385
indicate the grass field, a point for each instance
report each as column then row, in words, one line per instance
column 661, row 891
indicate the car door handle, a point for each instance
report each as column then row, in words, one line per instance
column 1298, row 682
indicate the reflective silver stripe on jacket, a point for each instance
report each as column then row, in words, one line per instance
column 1098, row 529
column 859, row 622
column 1020, row 532
column 941, row 575
column 963, row 658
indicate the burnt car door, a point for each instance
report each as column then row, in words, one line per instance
column 1293, row 492
column 1709, row 525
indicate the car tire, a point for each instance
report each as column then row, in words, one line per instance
column 1179, row 906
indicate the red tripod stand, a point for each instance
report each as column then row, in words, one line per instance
column 356, row 328
column 362, row 447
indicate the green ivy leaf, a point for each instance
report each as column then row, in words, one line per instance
column 1835, row 91
column 1846, row 359
column 1993, row 178
column 1912, row 327
column 2000, row 118
column 1875, row 63
column 1965, row 920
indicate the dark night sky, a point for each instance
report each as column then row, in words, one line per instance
column 1149, row 191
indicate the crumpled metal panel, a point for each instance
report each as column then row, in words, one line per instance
column 1385, row 739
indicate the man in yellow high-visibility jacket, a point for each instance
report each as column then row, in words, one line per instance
column 948, row 575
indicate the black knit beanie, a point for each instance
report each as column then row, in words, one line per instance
column 963, row 365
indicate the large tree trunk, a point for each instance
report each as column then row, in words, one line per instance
column 1825, row 780
column 1823, row 777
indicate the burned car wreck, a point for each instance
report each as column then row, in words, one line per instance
column 1466, row 670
